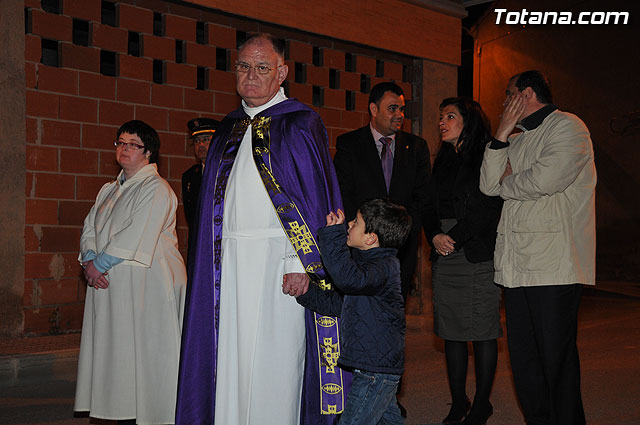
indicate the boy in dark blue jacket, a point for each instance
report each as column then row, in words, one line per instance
column 369, row 302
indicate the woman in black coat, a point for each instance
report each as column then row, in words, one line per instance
column 460, row 224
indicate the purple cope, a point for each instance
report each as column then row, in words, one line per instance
column 301, row 164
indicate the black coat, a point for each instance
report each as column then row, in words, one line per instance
column 477, row 214
column 191, row 180
column 367, row 299
column 360, row 176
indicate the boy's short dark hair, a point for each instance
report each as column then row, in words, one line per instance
column 389, row 221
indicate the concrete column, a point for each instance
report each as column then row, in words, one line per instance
column 12, row 166
column 439, row 81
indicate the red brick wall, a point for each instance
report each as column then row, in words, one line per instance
column 393, row 25
column 73, row 112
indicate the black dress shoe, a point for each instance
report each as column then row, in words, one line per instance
column 456, row 416
column 478, row 416
column 403, row 411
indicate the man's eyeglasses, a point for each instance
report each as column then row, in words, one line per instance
column 128, row 146
column 244, row 67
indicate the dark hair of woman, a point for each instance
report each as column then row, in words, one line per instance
column 146, row 133
column 477, row 128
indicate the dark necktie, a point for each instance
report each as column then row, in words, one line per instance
column 387, row 160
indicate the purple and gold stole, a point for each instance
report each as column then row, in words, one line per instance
column 326, row 332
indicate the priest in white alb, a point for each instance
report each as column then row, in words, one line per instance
column 251, row 355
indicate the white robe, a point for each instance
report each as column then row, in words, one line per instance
column 261, row 345
column 128, row 363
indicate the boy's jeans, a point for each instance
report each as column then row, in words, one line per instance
column 372, row 400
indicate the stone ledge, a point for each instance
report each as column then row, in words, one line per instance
column 23, row 368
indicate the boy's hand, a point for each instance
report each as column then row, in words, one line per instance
column 333, row 218
column 295, row 284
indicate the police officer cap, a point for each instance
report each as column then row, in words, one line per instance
column 202, row 126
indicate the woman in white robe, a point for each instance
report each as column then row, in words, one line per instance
column 130, row 348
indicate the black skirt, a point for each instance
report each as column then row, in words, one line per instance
column 466, row 301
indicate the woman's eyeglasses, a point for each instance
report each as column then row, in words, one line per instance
column 128, row 146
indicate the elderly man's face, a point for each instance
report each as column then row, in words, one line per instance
column 257, row 89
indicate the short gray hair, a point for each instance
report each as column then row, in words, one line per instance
column 276, row 43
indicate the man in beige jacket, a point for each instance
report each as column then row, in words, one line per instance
column 545, row 249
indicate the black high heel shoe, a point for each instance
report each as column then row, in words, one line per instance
column 455, row 417
column 477, row 417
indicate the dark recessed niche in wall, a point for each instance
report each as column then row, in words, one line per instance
column 349, row 62
column 180, row 52
column 379, row 68
column 283, row 44
column 317, row 96
column 158, row 71
column 412, row 110
column 202, row 82
column 80, row 32
column 222, row 59
column 109, row 16
column 108, row 63
column 134, row 47
column 27, row 20
column 201, row 33
column 406, row 74
column 300, row 72
column 350, row 100
column 287, row 49
column 317, row 56
column 365, row 83
column 50, row 53
column 334, row 79
column 241, row 37
column 158, row 24
column 51, row 6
